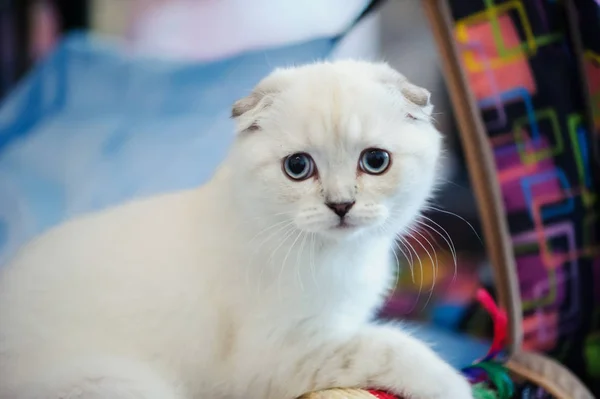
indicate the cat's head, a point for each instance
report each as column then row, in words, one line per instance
column 337, row 149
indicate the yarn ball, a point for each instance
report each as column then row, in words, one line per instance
column 349, row 394
column 480, row 391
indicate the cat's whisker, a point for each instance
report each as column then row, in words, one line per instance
column 287, row 235
column 313, row 268
column 448, row 241
column 426, row 230
column 433, row 265
column 433, row 250
column 274, row 233
column 420, row 269
column 397, row 276
column 446, row 236
column 260, row 274
column 298, row 257
column 452, row 182
column 433, row 247
column 255, row 251
column 289, row 251
column 267, row 216
column 280, row 229
column 458, row 217
column 429, row 234
column 410, row 262
column 384, row 230
column 288, row 232
column 266, row 229
column 409, row 258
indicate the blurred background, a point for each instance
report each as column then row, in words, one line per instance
column 104, row 100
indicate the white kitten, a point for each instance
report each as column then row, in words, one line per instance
column 262, row 283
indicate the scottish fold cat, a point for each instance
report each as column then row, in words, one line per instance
column 264, row 282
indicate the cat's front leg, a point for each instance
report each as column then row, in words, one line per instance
column 381, row 357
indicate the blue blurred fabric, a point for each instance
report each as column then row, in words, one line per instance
column 92, row 126
column 457, row 349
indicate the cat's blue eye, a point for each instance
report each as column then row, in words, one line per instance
column 374, row 161
column 299, row 166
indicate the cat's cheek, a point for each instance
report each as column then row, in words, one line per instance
column 287, row 194
column 297, row 193
column 380, row 187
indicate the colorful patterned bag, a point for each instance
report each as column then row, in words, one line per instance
column 524, row 79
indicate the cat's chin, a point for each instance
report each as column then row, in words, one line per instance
column 343, row 231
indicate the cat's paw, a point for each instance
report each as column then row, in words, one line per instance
column 410, row 368
column 379, row 357
column 438, row 383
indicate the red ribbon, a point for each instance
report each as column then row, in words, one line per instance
column 499, row 319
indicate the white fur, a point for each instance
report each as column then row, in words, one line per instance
column 242, row 288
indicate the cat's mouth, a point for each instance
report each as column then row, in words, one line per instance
column 343, row 225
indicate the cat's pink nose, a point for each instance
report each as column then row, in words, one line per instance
column 340, row 208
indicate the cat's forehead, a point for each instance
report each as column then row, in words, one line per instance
column 335, row 105
column 337, row 112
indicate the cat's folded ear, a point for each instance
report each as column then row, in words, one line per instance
column 247, row 111
column 243, row 105
column 417, row 97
